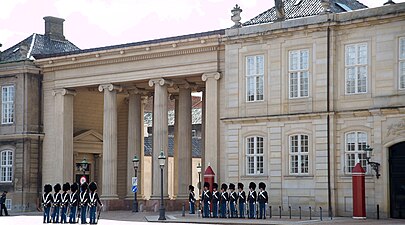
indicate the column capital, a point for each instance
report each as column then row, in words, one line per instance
column 160, row 81
column 109, row 87
column 63, row 92
column 174, row 96
column 136, row 91
column 214, row 75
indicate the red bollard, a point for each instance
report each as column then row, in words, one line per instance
column 359, row 190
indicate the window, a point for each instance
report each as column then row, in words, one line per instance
column 355, row 144
column 9, row 204
column 254, row 155
column 298, row 73
column 7, row 106
column 401, row 63
column 356, row 68
column 193, row 133
column 254, row 78
column 299, row 154
column 6, row 166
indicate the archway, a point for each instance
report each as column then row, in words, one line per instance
column 397, row 180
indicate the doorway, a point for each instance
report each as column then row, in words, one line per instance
column 397, row 180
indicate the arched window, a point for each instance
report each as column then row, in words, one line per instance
column 6, row 166
column 355, row 143
column 299, row 158
column 254, row 155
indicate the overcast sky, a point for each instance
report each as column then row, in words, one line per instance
column 95, row 23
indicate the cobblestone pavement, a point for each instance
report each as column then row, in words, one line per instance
column 150, row 218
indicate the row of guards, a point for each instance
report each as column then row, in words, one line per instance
column 231, row 204
column 71, row 204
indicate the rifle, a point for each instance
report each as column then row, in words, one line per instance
column 99, row 213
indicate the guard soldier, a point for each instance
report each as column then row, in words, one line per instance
column 206, row 197
column 84, row 200
column 233, row 197
column 57, row 199
column 94, row 200
column 47, row 200
column 3, row 204
column 241, row 200
column 215, row 200
column 224, row 200
column 263, row 199
column 252, row 200
column 65, row 202
column 73, row 202
column 191, row 199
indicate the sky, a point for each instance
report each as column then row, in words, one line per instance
column 96, row 23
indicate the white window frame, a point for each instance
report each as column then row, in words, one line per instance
column 356, row 66
column 9, row 204
column 257, row 75
column 6, row 166
column 256, row 156
column 401, row 63
column 357, row 150
column 300, row 71
column 7, row 104
column 299, row 153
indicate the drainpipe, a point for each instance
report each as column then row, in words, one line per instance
column 328, row 118
column 39, row 176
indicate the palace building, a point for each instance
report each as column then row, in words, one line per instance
column 294, row 97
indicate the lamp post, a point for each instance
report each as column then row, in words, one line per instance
column 374, row 165
column 199, row 177
column 162, row 161
column 136, row 165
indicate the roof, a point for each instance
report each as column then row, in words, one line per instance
column 303, row 8
column 36, row 44
column 196, row 115
column 196, row 146
column 155, row 41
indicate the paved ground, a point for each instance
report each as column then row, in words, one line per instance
column 150, row 218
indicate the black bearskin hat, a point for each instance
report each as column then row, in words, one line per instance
column 190, row 187
column 231, row 186
column 74, row 187
column 57, row 188
column 47, row 188
column 206, row 184
column 84, row 186
column 93, row 186
column 252, row 185
column 224, row 187
column 240, row 186
column 215, row 186
column 66, row 187
column 262, row 185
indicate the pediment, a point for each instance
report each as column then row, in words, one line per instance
column 88, row 136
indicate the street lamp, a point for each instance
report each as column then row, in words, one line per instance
column 374, row 165
column 162, row 161
column 199, row 177
column 136, row 165
column 84, row 164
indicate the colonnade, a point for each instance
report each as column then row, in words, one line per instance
column 63, row 125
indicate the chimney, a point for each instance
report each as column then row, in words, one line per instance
column 54, row 28
column 280, row 13
column 390, row 2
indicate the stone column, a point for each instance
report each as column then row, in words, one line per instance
column 160, row 135
column 211, row 121
column 64, row 133
column 109, row 176
column 176, row 145
column 135, row 130
column 184, row 156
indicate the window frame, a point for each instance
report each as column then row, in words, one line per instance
column 356, row 67
column 401, row 60
column 7, row 119
column 9, row 168
column 9, row 204
column 299, row 153
column 255, row 76
column 356, row 152
column 255, row 156
column 299, row 73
